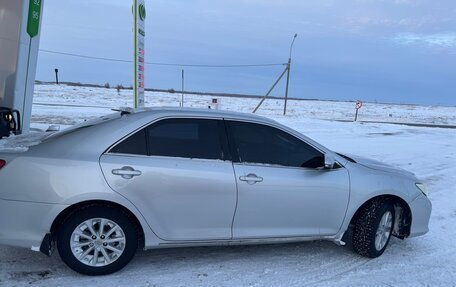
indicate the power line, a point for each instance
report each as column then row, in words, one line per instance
column 84, row 56
column 162, row 64
column 215, row 66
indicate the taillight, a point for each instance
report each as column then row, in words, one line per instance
column 2, row 163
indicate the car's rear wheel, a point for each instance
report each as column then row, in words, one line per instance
column 373, row 228
column 97, row 240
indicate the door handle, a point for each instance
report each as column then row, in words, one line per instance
column 126, row 172
column 251, row 178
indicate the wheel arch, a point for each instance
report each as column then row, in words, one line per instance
column 403, row 214
column 67, row 212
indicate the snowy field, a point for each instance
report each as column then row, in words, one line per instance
column 102, row 100
column 429, row 260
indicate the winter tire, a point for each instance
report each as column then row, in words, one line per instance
column 373, row 228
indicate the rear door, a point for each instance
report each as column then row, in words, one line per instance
column 178, row 173
column 283, row 191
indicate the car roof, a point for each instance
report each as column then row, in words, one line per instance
column 177, row 111
column 93, row 137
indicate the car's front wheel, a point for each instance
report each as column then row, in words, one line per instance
column 373, row 228
column 97, row 240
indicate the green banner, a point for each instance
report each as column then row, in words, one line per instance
column 33, row 24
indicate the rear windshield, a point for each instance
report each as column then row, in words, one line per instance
column 83, row 125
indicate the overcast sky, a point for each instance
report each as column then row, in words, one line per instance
column 401, row 51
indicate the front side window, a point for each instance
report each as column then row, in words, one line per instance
column 256, row 143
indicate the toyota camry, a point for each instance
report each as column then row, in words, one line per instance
column 168, row 177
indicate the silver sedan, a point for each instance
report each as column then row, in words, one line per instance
column 162, row 178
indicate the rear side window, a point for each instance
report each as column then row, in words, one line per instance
column 256, row 143
column 135, row 144
column 188, row 138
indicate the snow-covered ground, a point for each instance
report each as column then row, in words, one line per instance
column 101, row 100
column 429, row 260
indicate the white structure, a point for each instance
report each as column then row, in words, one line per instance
column 19, row 43
column 20, row 22
column 215, row 104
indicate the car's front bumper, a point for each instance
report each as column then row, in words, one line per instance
column 25, row 224
column 421, row 208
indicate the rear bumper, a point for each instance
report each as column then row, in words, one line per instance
column 421, row 209
column 25, row 224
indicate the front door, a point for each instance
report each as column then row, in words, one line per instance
column 177, row 174
column 283, row 191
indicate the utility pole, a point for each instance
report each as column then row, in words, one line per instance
column 56, row 76
column 183, row 81
column 270, row 90
column 288, row 75
column 287, row 71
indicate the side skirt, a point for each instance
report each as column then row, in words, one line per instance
column 244, row 241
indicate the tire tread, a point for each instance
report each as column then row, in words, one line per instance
column 365, row 227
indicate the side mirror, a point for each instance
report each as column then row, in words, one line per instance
column 330, row 161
